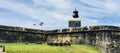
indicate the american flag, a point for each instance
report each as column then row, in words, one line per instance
column 41, row 23
column 34, row 24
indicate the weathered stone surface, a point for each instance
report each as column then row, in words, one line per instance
column 105, row 38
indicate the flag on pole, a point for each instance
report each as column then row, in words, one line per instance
column 34, row 24
column 41, row 23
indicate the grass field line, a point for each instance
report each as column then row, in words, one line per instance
column 44, row 48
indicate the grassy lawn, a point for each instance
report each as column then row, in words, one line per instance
column 44, row 48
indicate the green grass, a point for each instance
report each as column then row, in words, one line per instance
column 44, row 48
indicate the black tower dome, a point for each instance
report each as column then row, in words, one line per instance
column 75, row 14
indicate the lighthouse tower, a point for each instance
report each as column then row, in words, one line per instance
column 75, row 21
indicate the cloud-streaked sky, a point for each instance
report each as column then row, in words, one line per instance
column 55, row 13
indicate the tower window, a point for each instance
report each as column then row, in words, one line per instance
column 77, row 23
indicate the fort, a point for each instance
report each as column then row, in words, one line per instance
column 103, row 37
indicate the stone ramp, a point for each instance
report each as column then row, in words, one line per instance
column 2, row 49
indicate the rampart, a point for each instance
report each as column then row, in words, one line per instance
column 104, row 38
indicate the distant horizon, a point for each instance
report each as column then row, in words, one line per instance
column 55, row 13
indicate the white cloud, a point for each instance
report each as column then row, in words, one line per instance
column 89, row 22
column 111, row 6
column 94, row 3
column 102, row 6
column 20, row 8
column 48, row 17
column 55, row 13
column 58, row 4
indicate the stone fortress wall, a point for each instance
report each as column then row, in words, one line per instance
column 104, row 38
column 19, row 34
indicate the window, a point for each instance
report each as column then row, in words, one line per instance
column 76, row 23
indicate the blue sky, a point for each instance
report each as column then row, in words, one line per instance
column 55, row 13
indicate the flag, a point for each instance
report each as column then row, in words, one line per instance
column 34, row 24
column 41, row 23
